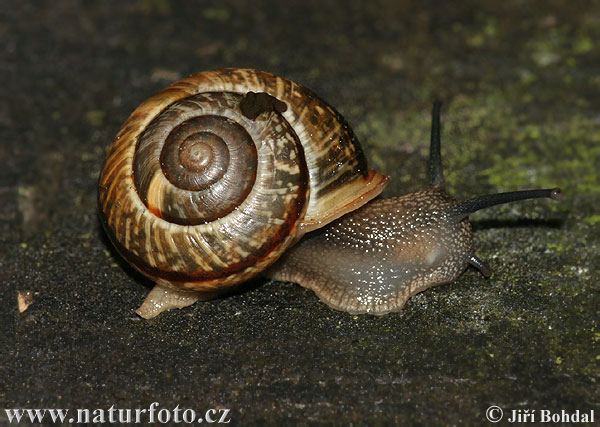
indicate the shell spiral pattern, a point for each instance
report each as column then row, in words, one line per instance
column 195, row 194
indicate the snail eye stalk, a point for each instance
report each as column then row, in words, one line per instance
column 464, row 209
column 436, row 171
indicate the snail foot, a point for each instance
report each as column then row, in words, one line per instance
column 163, row 298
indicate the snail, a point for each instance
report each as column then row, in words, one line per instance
column 234, row 173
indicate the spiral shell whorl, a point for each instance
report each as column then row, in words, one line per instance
column 233, row 227
column 178, row 185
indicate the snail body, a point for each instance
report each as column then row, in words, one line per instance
column 212, row 180
column 374, row 259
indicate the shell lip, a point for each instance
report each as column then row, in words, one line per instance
column 373, row 184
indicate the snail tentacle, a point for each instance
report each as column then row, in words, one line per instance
column 480, row 265
column 436, row 170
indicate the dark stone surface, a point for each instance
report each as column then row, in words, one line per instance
column 522, row 92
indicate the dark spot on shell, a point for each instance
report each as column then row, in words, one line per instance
column 254, row 104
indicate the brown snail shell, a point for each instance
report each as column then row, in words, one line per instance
column 209, row 181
